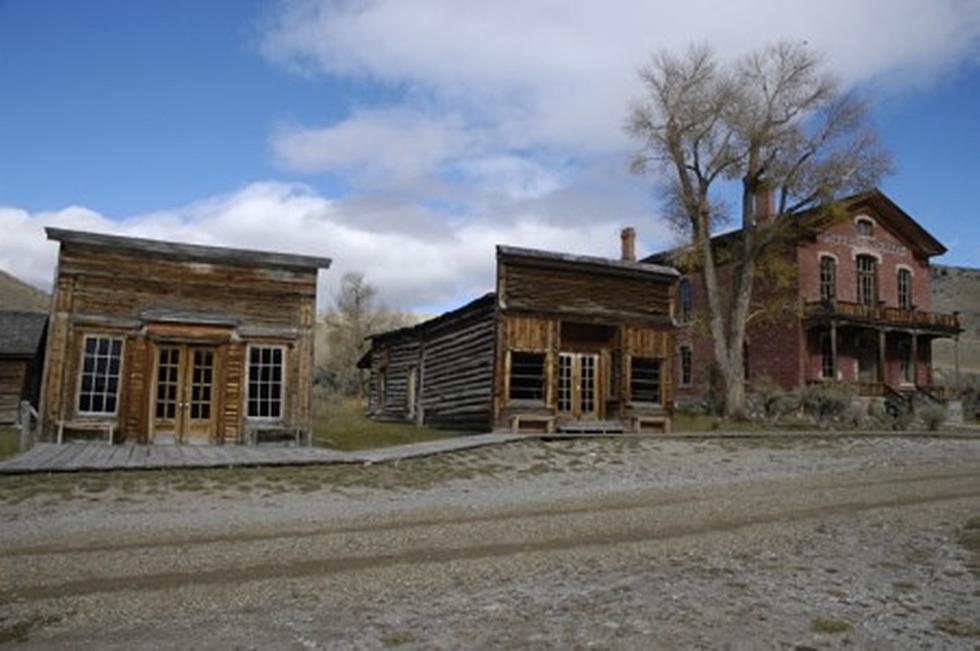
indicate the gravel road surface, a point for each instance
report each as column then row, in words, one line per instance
column 776, row 543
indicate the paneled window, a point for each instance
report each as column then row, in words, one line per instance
column 867, row 280
column 684, row 298
column 645, row 379
column 904, row 289
column 826, row 358
column 865, row 227
column 526, row 376
column 687, row 371
column 101, row 363
column 828, row 278
column 265, row 381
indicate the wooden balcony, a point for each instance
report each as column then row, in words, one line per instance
column 880, row 315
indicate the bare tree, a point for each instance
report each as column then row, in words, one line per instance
column 356, row 314
column 771, row 123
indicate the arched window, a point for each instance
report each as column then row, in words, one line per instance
column 684, row 298
column 828, row 278
column 865, row 227
column 867, row 280
column 904, row 289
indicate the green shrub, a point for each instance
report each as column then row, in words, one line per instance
column 933, row 416
column 827, row 402
column 769, row 401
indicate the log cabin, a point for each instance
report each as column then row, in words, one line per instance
column 566, row 343
column 169, row 343
column 21, row 357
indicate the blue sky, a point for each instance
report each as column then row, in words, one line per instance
column 405, row 138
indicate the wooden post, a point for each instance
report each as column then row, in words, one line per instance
column 915, row 358
column 25, row 425
column 881, row 356
column 833, row 349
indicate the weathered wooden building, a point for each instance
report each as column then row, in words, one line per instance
column 159, row 342
column 21, row 356
column 566, row 343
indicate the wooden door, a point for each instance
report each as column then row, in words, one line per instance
column 184, row 406
column 578, row 385
column 867, row 355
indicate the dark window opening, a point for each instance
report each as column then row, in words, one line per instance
column 526, row 376
column 827, row 370
column 645, row 380
column 865, row 227
column 684, row 298
column 904, row 289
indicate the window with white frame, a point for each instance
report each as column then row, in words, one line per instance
column 687, row 370
column 98, row 391
column 867, row 280
column 865, row 227
column 828, row 278
column 265, row 382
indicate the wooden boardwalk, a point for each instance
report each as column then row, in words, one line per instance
column 97, row 455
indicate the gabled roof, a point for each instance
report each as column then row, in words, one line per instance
column 594, row 262
column 188, row 252
column 887, row 210
column 21, row 333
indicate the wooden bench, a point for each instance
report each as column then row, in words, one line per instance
column 88, row 426
column 651, row 424
column 532, row 423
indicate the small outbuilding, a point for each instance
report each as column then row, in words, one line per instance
column 21, row 356
column 161, row 342
column 566, row 343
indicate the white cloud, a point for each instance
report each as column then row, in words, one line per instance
column 415, row 266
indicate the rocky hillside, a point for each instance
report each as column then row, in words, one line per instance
column 18, row 296
column 957, row 289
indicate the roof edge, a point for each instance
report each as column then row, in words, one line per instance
column 197, row 252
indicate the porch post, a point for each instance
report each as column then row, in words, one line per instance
column 915, row 358
column 833, row 349
column 881, row 356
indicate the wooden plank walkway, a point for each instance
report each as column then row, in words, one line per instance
column 100, row 456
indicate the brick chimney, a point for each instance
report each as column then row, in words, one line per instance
column 628, row 235
column 765, row 206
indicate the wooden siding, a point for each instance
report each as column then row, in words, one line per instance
column 590, row 293
column 149, row 301
column 13, row 383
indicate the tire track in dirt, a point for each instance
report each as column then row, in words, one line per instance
column 240, row 574
column 607, row 503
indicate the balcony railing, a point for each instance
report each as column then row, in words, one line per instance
column 880, row 314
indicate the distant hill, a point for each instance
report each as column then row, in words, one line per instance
column 957, row 289
column 17, row 295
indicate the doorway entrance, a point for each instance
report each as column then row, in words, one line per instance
column 867, row 358
column 578, row 385
column 183, row 410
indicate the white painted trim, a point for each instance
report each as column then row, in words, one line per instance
column 862, row 217
column 901, row 266
column 827, row 254
column 856, row 252
column 248, row 375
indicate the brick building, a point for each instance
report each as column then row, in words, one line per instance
column 858, row 307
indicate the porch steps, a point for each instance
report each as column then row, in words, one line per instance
column 591, row 427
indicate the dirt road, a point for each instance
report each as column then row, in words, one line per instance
column 874, row 558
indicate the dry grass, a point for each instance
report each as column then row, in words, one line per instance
column 341, row 424
column 9, row 441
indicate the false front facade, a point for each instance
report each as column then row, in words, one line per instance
column 566, row 343
column 158, row 342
